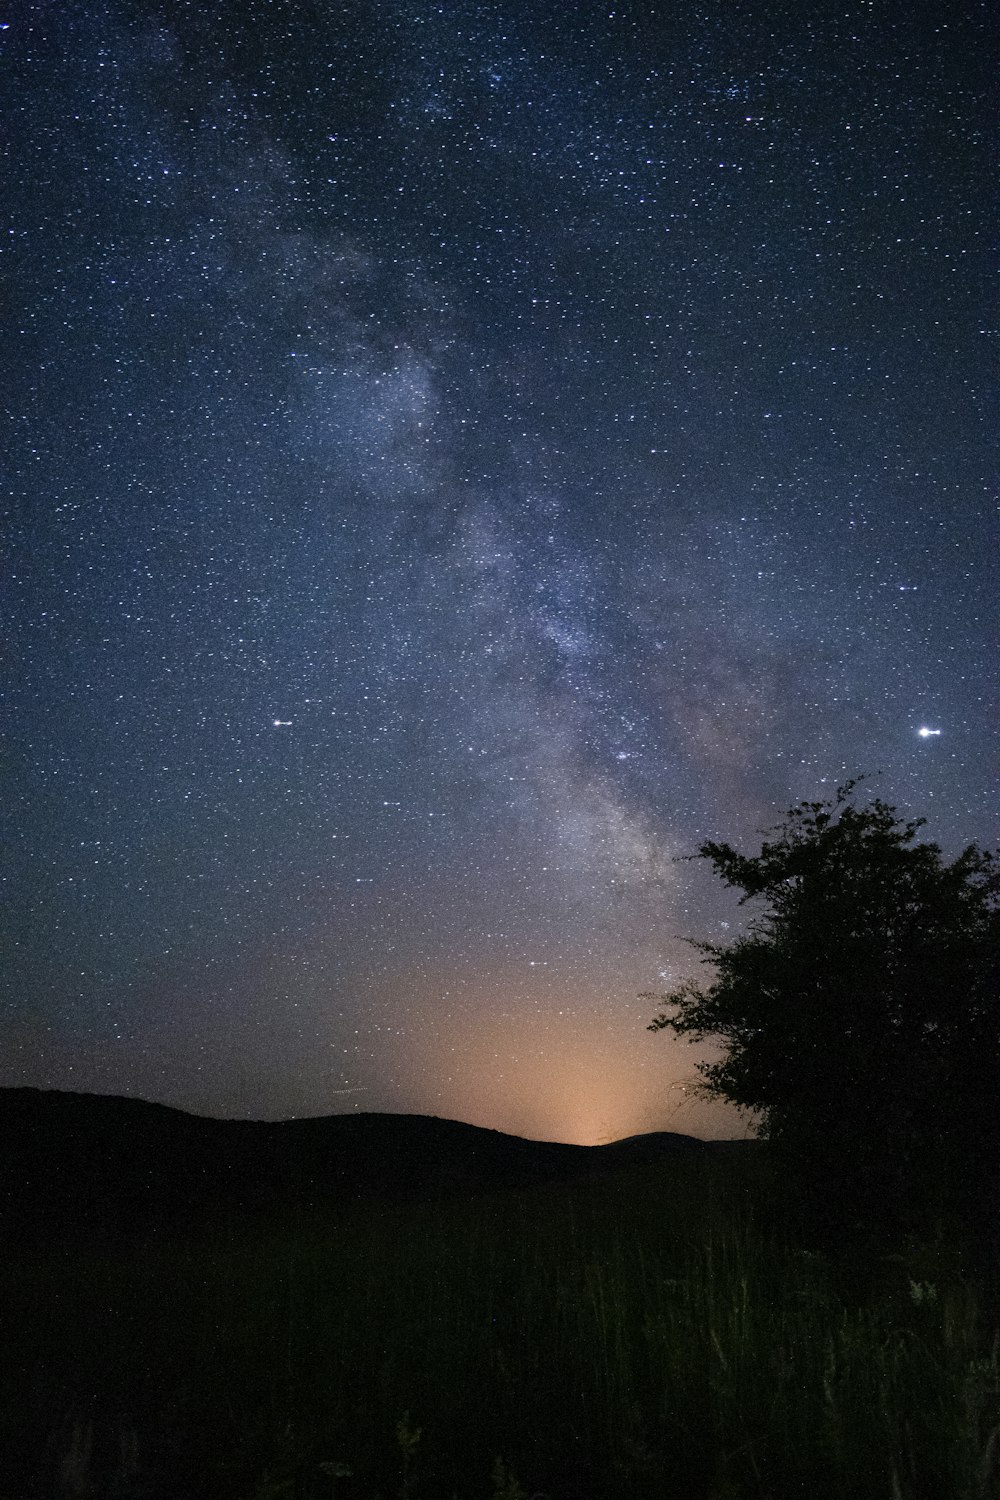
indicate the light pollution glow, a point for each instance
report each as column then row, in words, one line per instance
column 569, row 1074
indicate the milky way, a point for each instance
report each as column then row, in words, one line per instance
column 459, row 458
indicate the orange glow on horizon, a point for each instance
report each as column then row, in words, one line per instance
column 572, row 1080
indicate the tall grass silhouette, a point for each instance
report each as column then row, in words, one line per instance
column 657, row 1332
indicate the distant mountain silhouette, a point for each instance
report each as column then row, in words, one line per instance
column 122, row 1163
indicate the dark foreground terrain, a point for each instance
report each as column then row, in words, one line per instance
column 390, row 1306
column 111, row 1161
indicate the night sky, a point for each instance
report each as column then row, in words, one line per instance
column 458, row 458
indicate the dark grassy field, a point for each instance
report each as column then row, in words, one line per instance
column 655, row 1329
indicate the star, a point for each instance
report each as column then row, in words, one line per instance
column 925, row 733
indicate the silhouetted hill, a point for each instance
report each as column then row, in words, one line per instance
column 70, row 1158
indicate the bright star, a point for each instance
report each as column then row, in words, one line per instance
column 926, row 733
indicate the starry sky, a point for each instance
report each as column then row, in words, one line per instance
column 458, row 458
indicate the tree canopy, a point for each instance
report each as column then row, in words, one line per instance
column 859, row 1013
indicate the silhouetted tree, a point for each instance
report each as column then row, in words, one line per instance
column 859, row 1014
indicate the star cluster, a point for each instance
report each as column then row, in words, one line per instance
column 460, row 457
